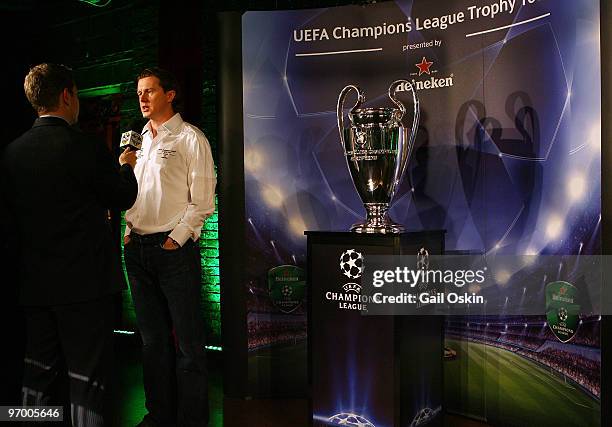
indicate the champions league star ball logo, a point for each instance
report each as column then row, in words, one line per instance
column 422, row 259
column 422, row 263
column 348, row 419
column 286, row 291
column 562, row 314
column 351, row 264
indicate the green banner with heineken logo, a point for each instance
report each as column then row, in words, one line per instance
column 286, row 284
column 562, row 310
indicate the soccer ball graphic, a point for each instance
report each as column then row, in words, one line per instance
column 351, row 263
column 562, row 313
column 348, row 419
column 286, row 291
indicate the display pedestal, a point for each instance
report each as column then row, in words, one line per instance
column 385, row 370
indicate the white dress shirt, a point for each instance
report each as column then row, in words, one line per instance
column 176, row 182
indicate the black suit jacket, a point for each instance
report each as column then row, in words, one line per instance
column 58, row 184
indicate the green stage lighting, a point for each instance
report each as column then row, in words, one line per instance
column 97, row 3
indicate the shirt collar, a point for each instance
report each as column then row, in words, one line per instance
column 171, row 126
column 53, row 115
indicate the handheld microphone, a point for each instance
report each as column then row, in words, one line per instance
column 130, row 139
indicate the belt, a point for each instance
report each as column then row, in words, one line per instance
column 149, row 239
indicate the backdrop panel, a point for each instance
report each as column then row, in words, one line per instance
column 507, row 160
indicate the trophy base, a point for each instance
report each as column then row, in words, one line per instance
column 390, row 228
column 377, row 221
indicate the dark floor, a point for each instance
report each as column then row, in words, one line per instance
column 127, row 395
column 127, row 398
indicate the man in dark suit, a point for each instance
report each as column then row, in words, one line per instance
column 58, row 185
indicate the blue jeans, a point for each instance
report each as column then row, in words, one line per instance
column 165, row 286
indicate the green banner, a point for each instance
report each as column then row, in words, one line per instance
column 287, row 287
column 562, row 310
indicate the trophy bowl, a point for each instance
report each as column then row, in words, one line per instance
column 377, row 147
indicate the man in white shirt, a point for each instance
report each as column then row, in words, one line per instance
column 176, row 189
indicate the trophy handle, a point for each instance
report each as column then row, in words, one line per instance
column 393, row 90
column 405, row 156
column 415, row 121
column 340, row 107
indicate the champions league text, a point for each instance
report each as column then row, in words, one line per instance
column 471, row 13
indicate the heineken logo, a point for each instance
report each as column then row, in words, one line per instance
column 287, row 287
column 424, row 66
column 427, row 77
column 562, row 310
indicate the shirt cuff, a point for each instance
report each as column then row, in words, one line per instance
column 180, row 234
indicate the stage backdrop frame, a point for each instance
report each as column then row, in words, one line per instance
column 606, row 200
column 231, row 205
column 232, row 213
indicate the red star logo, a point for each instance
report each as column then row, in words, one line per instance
column 424, row 66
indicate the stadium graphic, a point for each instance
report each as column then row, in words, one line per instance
column 522, row 354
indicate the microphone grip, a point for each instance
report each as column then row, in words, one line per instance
column 130, row 139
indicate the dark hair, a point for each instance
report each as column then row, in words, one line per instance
column 44, row 84
column 167, row 81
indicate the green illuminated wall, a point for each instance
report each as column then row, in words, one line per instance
column 211, row 293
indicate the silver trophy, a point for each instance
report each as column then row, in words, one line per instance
column 377, row 147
